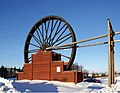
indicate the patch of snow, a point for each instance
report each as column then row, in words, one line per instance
column 30, row 86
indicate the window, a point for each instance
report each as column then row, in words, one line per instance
column 58, row 69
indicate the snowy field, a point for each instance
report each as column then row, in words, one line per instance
column 28, row 86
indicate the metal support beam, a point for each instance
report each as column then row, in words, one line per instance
column 111, row 72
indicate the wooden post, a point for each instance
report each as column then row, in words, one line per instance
column 110, row 55
column 112, row 58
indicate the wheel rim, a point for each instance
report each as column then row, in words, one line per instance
column 51, row 31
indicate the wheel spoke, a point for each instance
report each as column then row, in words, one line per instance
column 60, row 36
column 57, row 28
column 63, row 41
column 56, row 32
column 36, row 39
column 64, row 38
column 32, row 51
column 33, row 45
column 29, row 59
column 52, row 29
column 61, row 28
column 65, row 56
column 47, row 31
column 40, row 32
column 43, row 32
column 38, row 36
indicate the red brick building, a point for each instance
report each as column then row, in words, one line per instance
column 48, row 66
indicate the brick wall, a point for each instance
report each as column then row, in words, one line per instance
column 41, row 71
column 48, row 66
column 20, row 75
column 42, row 57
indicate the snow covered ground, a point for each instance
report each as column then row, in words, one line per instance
column 28, row 86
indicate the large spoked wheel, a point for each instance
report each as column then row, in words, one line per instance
column 48, row 32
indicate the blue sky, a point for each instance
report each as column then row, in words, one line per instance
column 88, row 18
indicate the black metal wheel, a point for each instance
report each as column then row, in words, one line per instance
column 48, row 32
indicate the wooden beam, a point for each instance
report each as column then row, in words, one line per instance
column 110, row 54
column 80, row 46
column 86, row 40
column 116, row 41
column 80, row 41
column 116, row 33
column 95, row 44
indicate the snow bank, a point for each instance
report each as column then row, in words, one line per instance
column 28, row 86
column 6, row 86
